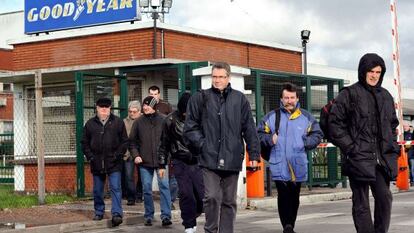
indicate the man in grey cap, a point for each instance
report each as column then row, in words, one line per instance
column 144, row 138
column 104, row 143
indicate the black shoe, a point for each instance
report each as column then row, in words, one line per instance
column 166, row 222
column 139, row 200
column 148, row 222
column 116, row 220
column 288, row 229
column 130, row 202
column 98, row 217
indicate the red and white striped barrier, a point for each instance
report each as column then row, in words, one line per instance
column 328, row 144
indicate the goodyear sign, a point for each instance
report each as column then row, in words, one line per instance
column 52, row 15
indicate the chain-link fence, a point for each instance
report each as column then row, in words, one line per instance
column 19, row 150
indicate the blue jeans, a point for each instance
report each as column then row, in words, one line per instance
column 129, row 183
column 114, row 188
column 147, row 175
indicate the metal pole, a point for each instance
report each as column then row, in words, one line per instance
column 305, row 64
column 154, row 51
column 40, row 149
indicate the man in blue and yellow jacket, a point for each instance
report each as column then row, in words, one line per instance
column 298, row 132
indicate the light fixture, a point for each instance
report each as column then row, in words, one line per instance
column 167, row 3
column 155, row 3
column 155, row 8
column 143, row 3
column 305, row 34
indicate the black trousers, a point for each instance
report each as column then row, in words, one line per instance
column 361, row 212
column 288, row 201
column 139, row 194
column 191, row 191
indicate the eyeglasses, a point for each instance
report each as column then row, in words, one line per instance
column 104, row 106
column 219, row 77
column 130, row 111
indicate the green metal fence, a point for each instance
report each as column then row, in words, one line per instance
column 6, row 156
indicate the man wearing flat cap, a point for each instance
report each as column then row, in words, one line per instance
column 144, row 138
column 104, row 143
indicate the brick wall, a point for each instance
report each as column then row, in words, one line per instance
column 59, row 178
column 112, row 47
column 137, row 45
column 6, row 59
column 201, row 48
column 6, row 112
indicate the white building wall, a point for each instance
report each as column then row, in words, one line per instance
column 11, row 27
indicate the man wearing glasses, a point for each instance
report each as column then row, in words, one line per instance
column 104, row 144
column 128, row 184
column 218, row 135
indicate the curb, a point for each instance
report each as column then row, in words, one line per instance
column 90, row 225
column 271, row 202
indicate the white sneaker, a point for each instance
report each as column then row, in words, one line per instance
column 189, row 230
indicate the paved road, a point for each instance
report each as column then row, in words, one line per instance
column 312, row 218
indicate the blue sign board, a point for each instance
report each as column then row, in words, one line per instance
column 52, row 15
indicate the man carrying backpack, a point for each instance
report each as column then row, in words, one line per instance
column 362, row 123
column 296, row 133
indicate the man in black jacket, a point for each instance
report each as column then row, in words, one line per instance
column 104, row 144
column 144, row 139
column 187, row 172
column 218, row 119
column 363, row 125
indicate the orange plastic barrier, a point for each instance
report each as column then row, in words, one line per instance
column 255, row 179
column 403, row 175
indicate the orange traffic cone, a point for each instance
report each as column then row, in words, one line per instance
column 403, row 176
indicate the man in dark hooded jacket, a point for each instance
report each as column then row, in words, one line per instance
column 363, row 125
column 186, row 169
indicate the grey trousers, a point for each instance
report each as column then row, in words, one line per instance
column 220, row 206
column 360, row 203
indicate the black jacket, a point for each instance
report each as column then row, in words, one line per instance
column 172, row 141
column 363, row 125
column 144, row 138
column 216, row 125
column 104, row 145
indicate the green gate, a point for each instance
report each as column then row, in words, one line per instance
column 90, row 87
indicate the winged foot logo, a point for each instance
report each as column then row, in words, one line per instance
column 76, row 8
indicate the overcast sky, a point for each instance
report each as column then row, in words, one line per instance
column 341, row 31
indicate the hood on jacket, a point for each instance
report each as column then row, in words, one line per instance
column 367, row 62
column 182, row 103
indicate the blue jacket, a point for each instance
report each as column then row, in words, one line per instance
column 298, row 133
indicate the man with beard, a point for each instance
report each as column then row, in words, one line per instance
column 298, row 133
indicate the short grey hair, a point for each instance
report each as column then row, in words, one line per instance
column 221, row 65
column 134, row 104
